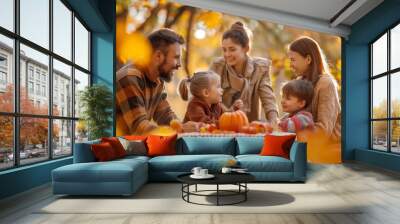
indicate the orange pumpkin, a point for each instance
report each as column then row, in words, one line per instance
column 176, row 125
column 248, row 130
column 233, row 121
column 259, row 126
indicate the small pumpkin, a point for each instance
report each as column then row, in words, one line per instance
column 176, row 125
column 248, row 130
column 233, row 121
column 259, row 126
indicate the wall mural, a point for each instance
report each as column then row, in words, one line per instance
column 193, row 71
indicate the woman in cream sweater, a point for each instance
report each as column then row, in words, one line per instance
column 308, row 62
column 245, row 80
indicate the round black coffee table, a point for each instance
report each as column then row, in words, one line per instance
column 238, row 179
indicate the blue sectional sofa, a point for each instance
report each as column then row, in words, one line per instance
column 125, row 176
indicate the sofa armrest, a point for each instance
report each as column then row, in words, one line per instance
column 83, row 152
column 298, row 155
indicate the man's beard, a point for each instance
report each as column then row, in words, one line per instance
column 165, row 76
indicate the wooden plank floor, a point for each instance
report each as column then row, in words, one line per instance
column 377, row 188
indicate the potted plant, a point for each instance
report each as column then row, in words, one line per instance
column 96, row 104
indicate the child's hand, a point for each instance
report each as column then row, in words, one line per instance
column 191, row 126
column 237, row 105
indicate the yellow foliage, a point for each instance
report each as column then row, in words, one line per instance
column 320, row 148
column 162, row 2
column 136, row 48
column 119, row 8
column 210, row 19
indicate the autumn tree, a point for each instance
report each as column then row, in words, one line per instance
column 33, row 131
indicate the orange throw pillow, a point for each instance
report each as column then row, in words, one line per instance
column 161, row 145
column 116, row 145
column 103, row 152
column 277, row 145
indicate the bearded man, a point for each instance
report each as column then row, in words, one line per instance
column 142, row 102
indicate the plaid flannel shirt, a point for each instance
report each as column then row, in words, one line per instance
column 141, row 103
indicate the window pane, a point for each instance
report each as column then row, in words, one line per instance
column 62, row 29
column 379, row 55
column 6, row 74
column 379, row 135
column 81, row 45
column 62, row 141
column 33, row 139
column 6, row 142
column 7, row 14
column 81, row 81
column 395, row 138
column 81, row 131
column 395, row 47
column 34, row 72
column 62, row 89
column 35, row 21
column 379, row 97
column 395, row 94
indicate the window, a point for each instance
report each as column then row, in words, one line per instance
column 44, row 91
column 30, row 87
column 61, row 75
column 30, row 72
column 37, row 74
column 62, row 29
column 6, row 73
column 3, row 78
column 3, row 61
column 62, row 137
column 33, row 147
column 7, row 14
column 35, row 21
column 7, row 142
column 81, row 81
column 81, row 45
column 46, row 77
column 385, row 95
column 38, row 89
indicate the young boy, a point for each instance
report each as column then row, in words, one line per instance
column 297, row 96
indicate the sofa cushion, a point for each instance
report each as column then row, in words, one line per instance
column 128, row 159
column 185, row 163
column 195, row 145
column 277, row 145
column 103, row 152
column 249, row 144
column 112, row 171
column 161, row 145
column 116, row 145
column 134, row 147
column 83, row 152
column 257, row 163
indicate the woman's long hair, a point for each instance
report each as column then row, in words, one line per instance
column 308, row 46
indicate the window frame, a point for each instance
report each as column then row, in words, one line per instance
column 16, row 115
column 388, row 74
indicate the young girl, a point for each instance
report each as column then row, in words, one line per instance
column 205, row 104
column 308, row 63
